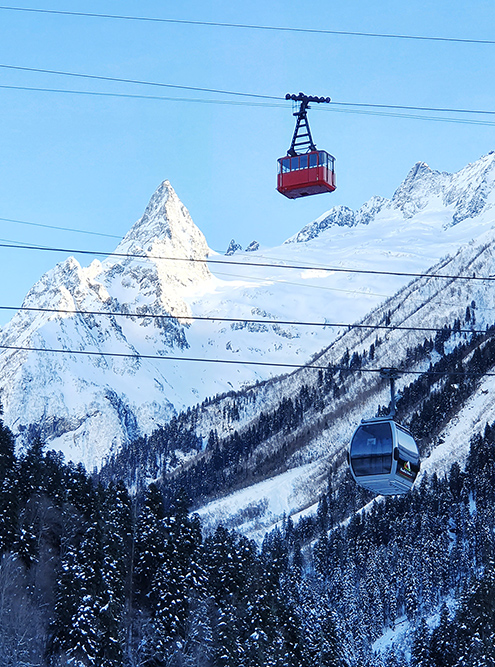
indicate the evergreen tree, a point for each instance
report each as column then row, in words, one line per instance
column 31, row 470
column 331, row 653
column 150, row 545
column 9, row 505
column 226, row 639
column 178, row 578
column 476, row 620
column 420, row 652
column 77, row 628
column 116, row 568
column 442, row 643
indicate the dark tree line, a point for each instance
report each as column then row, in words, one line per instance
column 92, row 576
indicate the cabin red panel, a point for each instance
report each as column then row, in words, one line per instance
column 305, row 175
column 306, row 182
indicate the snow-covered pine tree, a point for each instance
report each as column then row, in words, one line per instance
column 149, row 545
column 8, row 490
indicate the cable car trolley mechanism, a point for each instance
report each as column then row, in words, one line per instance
column 383, row 456
column 305, row 170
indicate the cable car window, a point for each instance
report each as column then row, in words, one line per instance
column 304, row 161
column 371, row 450
column 313, row 159
column 294, row 163
column 285, row 164
column 323, row 158
column 406, row 442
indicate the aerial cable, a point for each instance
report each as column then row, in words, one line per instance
column 272, row 105
column 329, row 269
column 237, row 362
column 361, row 293
column 63, row 229
column 230, row 275
column 306, row 284
column 148, row 97
column 258, row 279
column 139, row 82
column 241, row 320
column 265, row 279
column 221, row 273
column 403, row 107
column 248, row 26
column 433, row 119
column 218, row 91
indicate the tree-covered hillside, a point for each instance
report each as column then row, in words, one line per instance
column 92, row 576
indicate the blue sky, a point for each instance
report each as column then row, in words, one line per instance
column 92, row 162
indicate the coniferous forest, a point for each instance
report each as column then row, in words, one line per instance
column 92, row 576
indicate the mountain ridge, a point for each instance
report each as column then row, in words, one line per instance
column 413, row 195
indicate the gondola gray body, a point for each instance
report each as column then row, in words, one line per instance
column 383, row 456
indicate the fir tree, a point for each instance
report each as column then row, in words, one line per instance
column 442, row 642
column 150, row 545
column 420, row 653
column 116, row 568
column 9, row 505
column 178, row 578
column 76, row 629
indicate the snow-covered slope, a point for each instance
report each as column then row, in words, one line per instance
column 89, row 405
column 413, row 314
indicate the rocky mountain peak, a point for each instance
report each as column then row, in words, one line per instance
column 340, row 216
column 165, row 221
column 167, row 235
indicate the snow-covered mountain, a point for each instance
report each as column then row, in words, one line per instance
column 142, row 302
column 459, row 196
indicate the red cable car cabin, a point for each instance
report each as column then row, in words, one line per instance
column 308, row 174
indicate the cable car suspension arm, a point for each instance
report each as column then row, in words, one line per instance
column 391, row 374
column 302, row 141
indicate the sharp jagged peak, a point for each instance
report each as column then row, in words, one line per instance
column 164, row 234
column 467, row 193
column 165, row 221
column 167, row 235
column 340, row 216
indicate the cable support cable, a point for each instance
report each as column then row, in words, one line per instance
column 149, row 97
column 139, row 82
column 329, row 269
column 403, row 107
column 238, row 362
column 230, row 275
column 360, row 111
column 216, row 91
column 269, row 280
column 63, row 229
column 249, row 26
column 241, row 320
